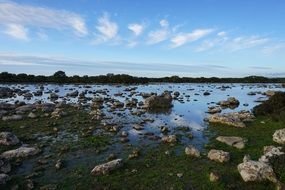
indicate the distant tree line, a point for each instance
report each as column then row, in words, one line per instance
column 61, row 77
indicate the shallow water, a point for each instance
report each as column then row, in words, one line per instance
column 189, row 112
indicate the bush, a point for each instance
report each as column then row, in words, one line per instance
column 274, row 106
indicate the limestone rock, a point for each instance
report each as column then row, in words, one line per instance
column 105, row 168
column 219, row 155
column 237, row 142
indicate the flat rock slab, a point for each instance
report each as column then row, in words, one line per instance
column 237, row 142
column 105, row 168
column 20, row 152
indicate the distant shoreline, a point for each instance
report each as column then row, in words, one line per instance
column 60, row 77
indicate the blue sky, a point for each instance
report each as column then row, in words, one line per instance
column 224, row 38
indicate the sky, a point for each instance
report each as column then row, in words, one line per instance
column 152, row 38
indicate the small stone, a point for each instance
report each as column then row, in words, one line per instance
column 192, row 151
column 219, row 155
column 214, row 177
column 59, row 164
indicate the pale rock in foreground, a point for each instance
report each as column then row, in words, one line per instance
column 237, row 142
column 256, row 171
column 279, row 136
column 219, row 155
column 105, row 168
column 20, row 152
column 272, row 154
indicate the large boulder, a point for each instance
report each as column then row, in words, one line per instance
column 219, row 155
column 105, row 168
column 158, row 102
column 7, row 138
column 20, row 152
column 256, row 171
column 237, row 142
column 279, row 136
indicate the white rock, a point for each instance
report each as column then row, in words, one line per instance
column 105, row 168
column 279, row 136
column 219, row 155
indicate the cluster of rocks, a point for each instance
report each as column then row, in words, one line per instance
column 235, row 119
column 8, row 139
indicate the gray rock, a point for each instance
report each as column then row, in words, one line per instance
column 192, row 151
column 256, row 171
column 169, row 139
column 105, row 168
column 7, row 138
column 5, row 166
column 279, row 136
column 235, row 119
column 12, row 118
column 4, row 178
column 20, row 152
column 219, row 155
column 158, row 102
column 237, row 142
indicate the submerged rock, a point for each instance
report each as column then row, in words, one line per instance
column 7, row 138
column 279, row 136
column 237, row 142
column 169, row 139
column 219, row 155
column 20, row 152
column 105, row 168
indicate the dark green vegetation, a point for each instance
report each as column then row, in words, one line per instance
column 60, row 77
column 274, row 107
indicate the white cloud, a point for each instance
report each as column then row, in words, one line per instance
column 159, row 35
column 136, row 28
column 183, row 38
column 17, row 31
column 273, row 48
column 243, row 42
column 221, row 34
column 107, row 29
column 32, row 16
column 218, row 41
column 164, row 23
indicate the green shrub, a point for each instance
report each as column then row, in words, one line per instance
column 274, row 106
